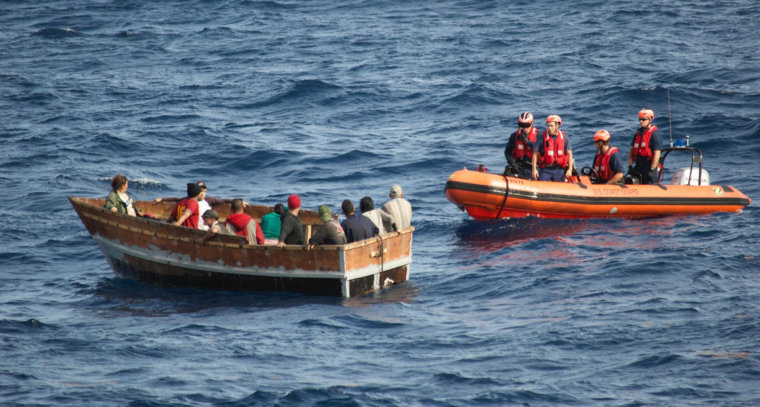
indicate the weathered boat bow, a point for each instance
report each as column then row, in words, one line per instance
column 156, row 252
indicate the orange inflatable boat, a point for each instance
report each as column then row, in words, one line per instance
column 492, row 196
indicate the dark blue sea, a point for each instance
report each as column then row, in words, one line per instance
column 341, row 99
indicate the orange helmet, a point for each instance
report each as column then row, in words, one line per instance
column 603, row 135
column 646, row 113
column 526, row 118
column 554, row 118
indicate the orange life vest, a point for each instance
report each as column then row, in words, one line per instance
column 641, row 142
column 554, row 150
column 521, row 149
column 602, row 163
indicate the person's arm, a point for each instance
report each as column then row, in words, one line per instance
column 259, row 233
column 569, row 172
column 534, row 162
column 508, row 150
column 112, row 202
column 210, row 233
column 616, row 178
column 186, row 214
column 284, row 231
column 168, row 199
column 319, row 236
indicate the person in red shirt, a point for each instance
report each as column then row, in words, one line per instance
column 186, row 212
column 243, row 224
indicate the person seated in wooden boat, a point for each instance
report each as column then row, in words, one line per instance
column 211, row 219
column 399, row 208
column 118, row 200
column 608, row 164
column 242, row 224
column 555, row 156
column 377, row 216
column 330, row 232
column 355, row 226
column 271, row 224
column 520, row 147
column 291, row 230
column 186, row 212
column 204, row 202
column 644, row 154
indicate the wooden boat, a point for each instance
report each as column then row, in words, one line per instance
column 492, row 196
column 157, row 252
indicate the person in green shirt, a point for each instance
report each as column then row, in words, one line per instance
column 271, row 224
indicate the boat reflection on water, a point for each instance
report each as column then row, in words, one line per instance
column 483, row 237
column 490, row 236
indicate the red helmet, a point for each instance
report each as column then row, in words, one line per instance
column 525, row 117
column 646, row 113
column 603, row 135
column 554, row 118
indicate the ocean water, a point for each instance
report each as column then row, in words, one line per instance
column 336, row 100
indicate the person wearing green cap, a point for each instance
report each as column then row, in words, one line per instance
column 330, row 232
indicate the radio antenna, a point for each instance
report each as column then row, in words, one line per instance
column 670, row 121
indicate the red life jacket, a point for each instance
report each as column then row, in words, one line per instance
column 602, row 164
column 554, row 150
column 521, row 150
column 239, row 221
column 641, row 142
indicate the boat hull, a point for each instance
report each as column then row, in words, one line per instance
column 156, row 252
column 492, row 196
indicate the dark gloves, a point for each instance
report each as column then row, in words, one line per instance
column 524, row 138
column 630, row 169
column 515, row 167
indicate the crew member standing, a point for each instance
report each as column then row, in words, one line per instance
column 644, row 155
column 520, row 147
column 608, row 163
column 555, row 156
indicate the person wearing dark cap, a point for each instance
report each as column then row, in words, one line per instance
column 204, row 202
column 243, row 224
column 399, row 208
column 330, row 232
column 211, row 219
column 356, row 227
column 185, row 212
column 291, row 231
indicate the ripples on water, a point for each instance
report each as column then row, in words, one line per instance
column 262, row 99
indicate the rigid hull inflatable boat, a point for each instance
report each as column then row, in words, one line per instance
column 492, row 196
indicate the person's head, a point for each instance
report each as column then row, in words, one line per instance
column 347, row 207
column 396, row 192
column 203, row 190
column 646, row 116
column 279, row 209
column 324, row 213
column 602, row 140
column 118, row 182
column 236, row 206
column 193, row 190
column 525, row 121
column 553, row 122
column 366, row 204
column 294, row 203
column 209, row 217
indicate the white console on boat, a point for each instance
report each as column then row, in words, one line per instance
column 682, row 177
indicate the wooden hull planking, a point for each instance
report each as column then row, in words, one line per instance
column 156, row 252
